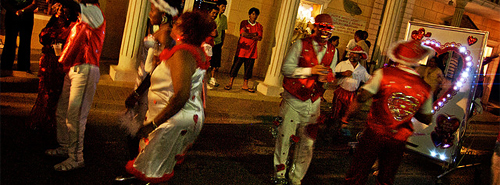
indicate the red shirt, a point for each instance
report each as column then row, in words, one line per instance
column 247, row 48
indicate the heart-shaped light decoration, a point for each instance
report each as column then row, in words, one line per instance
column 420, row 34
column 444, row 132
column 464, row 71
column 471, row 40
column 402, row 106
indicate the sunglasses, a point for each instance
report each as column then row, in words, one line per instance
column 323, row 26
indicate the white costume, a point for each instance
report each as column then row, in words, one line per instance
column 359, row 74
column 298, row 114
column 134, row 117
column 168, row 143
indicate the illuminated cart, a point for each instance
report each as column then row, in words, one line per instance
column 460, row 53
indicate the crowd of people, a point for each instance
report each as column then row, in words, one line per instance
column 166, row 109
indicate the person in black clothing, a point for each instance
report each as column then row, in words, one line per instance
column 18, row 21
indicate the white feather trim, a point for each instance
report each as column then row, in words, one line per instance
column 129, row 122
column 164, row 7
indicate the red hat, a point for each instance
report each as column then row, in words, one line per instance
column 323, row 18
column 359, row 50
column 408, row 52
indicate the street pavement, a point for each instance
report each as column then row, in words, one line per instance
column 235, row 145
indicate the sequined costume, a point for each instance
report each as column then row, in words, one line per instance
column 398, row 94
column 300, row 107
column 167, row 144
column 51, row 75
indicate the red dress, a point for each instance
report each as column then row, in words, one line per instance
column 51, row 76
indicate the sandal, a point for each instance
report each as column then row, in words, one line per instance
column 123, row 178
column 69, row 165
column 250, row 90
column 58, row 152
column 228, row 87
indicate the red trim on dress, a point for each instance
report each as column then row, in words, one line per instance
column 130, row 169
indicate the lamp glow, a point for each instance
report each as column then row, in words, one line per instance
column 433, row 154
column 442, row 157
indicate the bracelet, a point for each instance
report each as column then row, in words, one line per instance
column 136, row 94
column 154, row 124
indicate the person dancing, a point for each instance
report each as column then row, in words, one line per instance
column 43, row 113
column 399, row 94
column 80, row 60
column 175, row 107
column 306, row 67
column 137, row 102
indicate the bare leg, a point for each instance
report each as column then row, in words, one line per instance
column 230, row 84
column 245, row 84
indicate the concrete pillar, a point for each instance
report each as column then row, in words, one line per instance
column 459, row 12
column 188, row 5
column 133, row 35
column 283, row 34
column 389, row 29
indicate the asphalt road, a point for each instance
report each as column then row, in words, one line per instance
column 235, row 145
column 225, row 153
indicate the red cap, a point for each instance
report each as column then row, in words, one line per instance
column 359, row 50
column 408, row 52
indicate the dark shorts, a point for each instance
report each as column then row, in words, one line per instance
column 216, row 55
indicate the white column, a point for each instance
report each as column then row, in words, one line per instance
column 283, row 34
column 133, row 35
column 389, row 29
column 188, row 5
column 459, row 12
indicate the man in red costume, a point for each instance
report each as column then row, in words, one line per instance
column 80, row 59
column 350, row 73
column 399, row 94
column 306, row 67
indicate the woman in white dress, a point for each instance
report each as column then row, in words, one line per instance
column 175, row 101
column 137, row 102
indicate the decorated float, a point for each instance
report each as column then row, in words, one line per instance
column 461, row 54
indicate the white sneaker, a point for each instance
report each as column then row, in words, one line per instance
column 213, row 82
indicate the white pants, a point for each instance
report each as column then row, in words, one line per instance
column 295, row 123
column 73, row 107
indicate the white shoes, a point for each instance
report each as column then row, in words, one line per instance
column 69, row 165
column 213, row 82
column 58, row 152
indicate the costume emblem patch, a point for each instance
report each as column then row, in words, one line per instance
column 402, row 106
